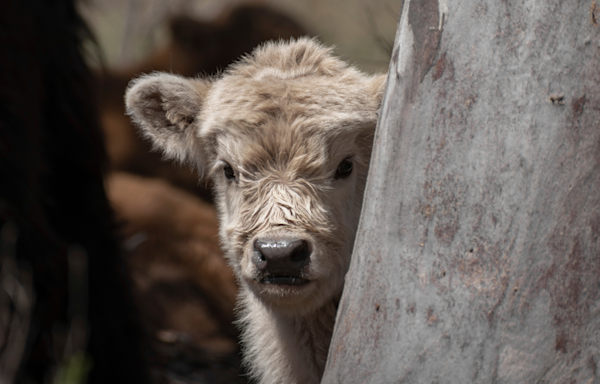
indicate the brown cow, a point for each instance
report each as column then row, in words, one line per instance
column 184, row 288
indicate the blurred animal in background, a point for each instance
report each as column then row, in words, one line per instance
column 65, row 300
column 286, row 135
column 174, row 252
column 196, row 48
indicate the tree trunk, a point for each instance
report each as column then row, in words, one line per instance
column 477, row 257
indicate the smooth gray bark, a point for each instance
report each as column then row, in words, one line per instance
column 477, row 258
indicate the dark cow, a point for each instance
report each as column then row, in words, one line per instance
column 52, row 161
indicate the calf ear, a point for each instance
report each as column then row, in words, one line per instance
column 376, row 87
column 166, row 109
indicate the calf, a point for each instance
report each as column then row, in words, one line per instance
column 285, row 134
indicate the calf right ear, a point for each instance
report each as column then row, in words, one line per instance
column 166, row 109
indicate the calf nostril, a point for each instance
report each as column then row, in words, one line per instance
column 259, row 259
column 301, row 252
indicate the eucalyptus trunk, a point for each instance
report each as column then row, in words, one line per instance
column 477, row 258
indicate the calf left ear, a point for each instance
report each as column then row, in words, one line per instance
column 166, row 109
column 376, row 87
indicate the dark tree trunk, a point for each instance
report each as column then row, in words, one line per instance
column 478, row 253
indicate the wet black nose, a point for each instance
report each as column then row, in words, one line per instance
column 281, row 257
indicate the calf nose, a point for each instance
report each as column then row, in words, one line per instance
column 281, row 256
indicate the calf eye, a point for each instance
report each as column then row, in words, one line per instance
column 228, row 171
column 344, row 169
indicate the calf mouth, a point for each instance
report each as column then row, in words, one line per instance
column 283, row 280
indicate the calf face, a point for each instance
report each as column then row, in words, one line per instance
column 286, row 136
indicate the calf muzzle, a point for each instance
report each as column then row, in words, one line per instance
column 281, row 261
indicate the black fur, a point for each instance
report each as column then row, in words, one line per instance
column 52, row 161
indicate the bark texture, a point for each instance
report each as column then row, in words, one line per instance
column 478, row 254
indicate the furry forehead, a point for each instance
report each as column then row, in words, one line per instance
column 297, row 80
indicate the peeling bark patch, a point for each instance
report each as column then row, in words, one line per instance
column 478, row 215
column 480, row 10
column 470, row 101
column 395, row 60
column 504, row 281
column 377, row 324
column 592, row 364
column 423, row 17
column 443, row 202
column 597, row 152
column 438, row 70
column 431, row 318
column 445, row 232
column 561, row 343
column 578, row 106
column 595, row 227
column 427, row 210
column 485, row 269
column 442, row 144
column 568, row 281
column 557, row 99
column 593, row 17
column 567, row 291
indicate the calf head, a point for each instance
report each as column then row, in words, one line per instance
column 286, row 136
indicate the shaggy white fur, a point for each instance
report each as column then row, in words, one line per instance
column 277, row 132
